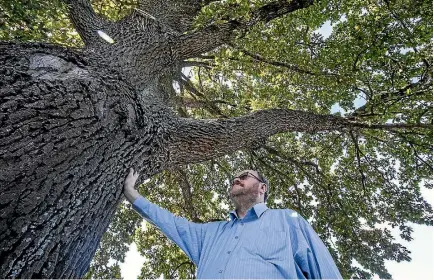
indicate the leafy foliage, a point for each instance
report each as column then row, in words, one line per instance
column 47, row 21
column 36, row 21
column 114, row 244
column 376, row 64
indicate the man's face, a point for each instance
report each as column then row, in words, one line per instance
column 246, row 183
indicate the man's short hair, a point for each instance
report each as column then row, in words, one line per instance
column 265, row 181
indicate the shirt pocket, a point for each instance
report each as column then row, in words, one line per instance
column 270, row 244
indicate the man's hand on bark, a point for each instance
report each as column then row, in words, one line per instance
column 129, row 191
column 131, row 179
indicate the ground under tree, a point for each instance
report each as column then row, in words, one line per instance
column 73, row 119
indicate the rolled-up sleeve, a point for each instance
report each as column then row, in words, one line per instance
column 187, row 235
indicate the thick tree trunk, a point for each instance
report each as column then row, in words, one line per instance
column 68, row 132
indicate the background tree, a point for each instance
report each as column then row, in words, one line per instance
column 73, row 118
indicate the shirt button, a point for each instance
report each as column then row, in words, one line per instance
column 229, row 252
column 242, row 224
column 236, row 237
column 220, row 271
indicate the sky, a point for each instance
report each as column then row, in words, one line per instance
column 421, row 247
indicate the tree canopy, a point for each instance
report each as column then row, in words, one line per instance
column 376, row 65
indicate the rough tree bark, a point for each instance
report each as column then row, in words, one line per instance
column 72, row 121
column 69, row 129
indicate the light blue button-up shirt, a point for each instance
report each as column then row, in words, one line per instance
column 266, row 243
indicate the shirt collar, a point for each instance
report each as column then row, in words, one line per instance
column 257, row 210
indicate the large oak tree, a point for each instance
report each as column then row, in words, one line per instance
column 74, row 115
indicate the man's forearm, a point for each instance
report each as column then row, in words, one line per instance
column 131, row 194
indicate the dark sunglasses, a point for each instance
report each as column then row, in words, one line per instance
column 245, row 175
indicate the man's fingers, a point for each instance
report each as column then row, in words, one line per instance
column 133, row 175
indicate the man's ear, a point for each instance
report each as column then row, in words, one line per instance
column 264, row 187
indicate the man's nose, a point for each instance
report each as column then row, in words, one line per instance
column 236, row 180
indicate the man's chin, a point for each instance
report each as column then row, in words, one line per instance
column 232, row 195
column 236, row 196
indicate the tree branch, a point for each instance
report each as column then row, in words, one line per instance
column 277, row 9
column 292, row 160
column 258, row 57
column 308, row 175
column 191, row 63
column 176, row 269
column 410, row 36
column 212, row 36
column 283, row 174
column 204, row 40
column 393, row 126
column 186, row 187
column 209, row 105
column 199, row 140
column 412, row 146
column 386, row 96
column 85, row 20
column 178, row 15
column 359, row 165
column 418, row 157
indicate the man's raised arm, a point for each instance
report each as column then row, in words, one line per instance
column 187, row 235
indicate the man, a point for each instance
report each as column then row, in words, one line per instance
column 257, row 242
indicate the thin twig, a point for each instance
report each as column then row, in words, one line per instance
column 357, row 151
column 174, row 271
